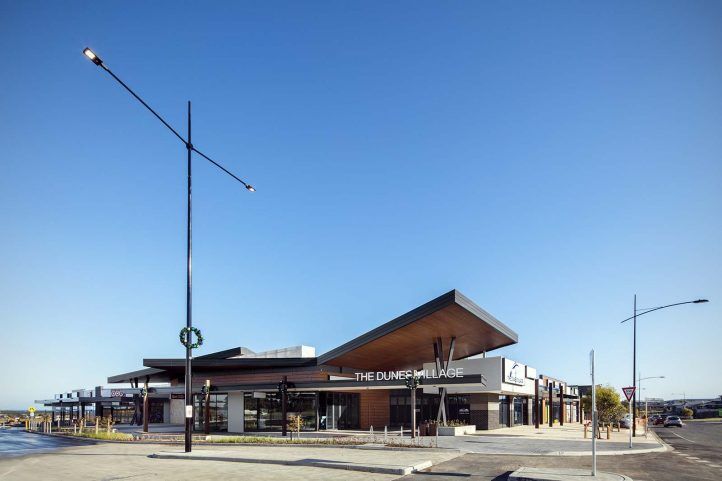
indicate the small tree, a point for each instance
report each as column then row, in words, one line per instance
column 687, row 412
column 609, row 405
column 295, row 424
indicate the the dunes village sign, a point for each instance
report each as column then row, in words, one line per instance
column 402, row 375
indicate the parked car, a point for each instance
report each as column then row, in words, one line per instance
column 652, row 419
column 625, row 422
column 673, row 421
column 660, row 420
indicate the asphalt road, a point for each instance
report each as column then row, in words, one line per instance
column 16, row 442
column 698, row 442
column 697, row 455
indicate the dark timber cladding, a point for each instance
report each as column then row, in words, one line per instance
column 407, row 341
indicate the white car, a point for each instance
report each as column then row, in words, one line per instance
column 673, row 421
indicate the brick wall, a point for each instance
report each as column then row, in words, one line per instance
column 484, row 412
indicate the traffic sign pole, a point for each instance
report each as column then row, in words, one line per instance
column 629, row 394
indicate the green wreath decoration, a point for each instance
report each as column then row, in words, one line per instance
column 194, row 330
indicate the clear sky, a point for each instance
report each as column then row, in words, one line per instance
column 547, row 159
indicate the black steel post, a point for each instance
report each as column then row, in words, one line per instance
column 189, row 298
column 550, row 388
column 634, row 372
column 413, row 412
column 284, row 407
column 537, row 410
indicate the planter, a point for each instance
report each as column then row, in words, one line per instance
column 456, row 430
column 431, row 429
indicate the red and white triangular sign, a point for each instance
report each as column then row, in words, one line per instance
column 629, row 392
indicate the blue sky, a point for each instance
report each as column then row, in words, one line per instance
column 549, row 160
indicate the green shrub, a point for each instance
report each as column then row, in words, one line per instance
column 105, row 436
column 270, row 440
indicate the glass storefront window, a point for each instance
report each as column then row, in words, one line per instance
column 341, row 410
column 218, row 412
column 266, row 414
column 518, row 411
column 503, row 411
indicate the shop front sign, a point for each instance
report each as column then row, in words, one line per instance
column 513, row 372
column 449, row 373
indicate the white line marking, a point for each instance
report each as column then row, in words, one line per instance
column 692, row 457
column 715, row 466
column 693, row 442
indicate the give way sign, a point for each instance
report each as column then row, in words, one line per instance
column 629, row 392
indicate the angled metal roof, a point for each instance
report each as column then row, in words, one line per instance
column 407, row 341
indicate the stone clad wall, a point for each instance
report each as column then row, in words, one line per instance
column 484, row 410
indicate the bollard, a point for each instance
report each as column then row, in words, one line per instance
column 437, row 436
column 609, row 431
column 585, row 431
column 371, row 431
column 385, row 435
column 401, row 431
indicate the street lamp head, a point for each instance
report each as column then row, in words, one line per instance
column 250, row 188
column 700, row 301
column 91, row 55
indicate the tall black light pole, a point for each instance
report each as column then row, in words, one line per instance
column 188, row 331
column 637, row 313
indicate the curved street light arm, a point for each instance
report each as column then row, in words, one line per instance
column 698, row 301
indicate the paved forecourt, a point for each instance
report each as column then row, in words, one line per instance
column 125, row 460
column 365, row 459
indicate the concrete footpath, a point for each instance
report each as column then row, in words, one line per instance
column 567, row 440
column 563, row 474
column 380, row 460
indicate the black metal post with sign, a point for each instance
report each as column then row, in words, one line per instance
column 413, row 382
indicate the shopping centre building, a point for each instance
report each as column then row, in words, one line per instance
column 444, row 343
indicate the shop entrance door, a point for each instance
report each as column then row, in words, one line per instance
column 342, row 410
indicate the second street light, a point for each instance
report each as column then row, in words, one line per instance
column 646, row 410
column 637, row 313
column 187, row 332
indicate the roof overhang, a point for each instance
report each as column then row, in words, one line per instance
column 408, row 341
column 240, row 363
column 155, row 375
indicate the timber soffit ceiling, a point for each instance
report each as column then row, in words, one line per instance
column 407, row 341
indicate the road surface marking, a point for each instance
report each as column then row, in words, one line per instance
column 693, row 442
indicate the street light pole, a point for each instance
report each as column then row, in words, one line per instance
column 634, row 375
column 189, row 295
column 646, row 411
column 634, row 350
column 190, row 148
